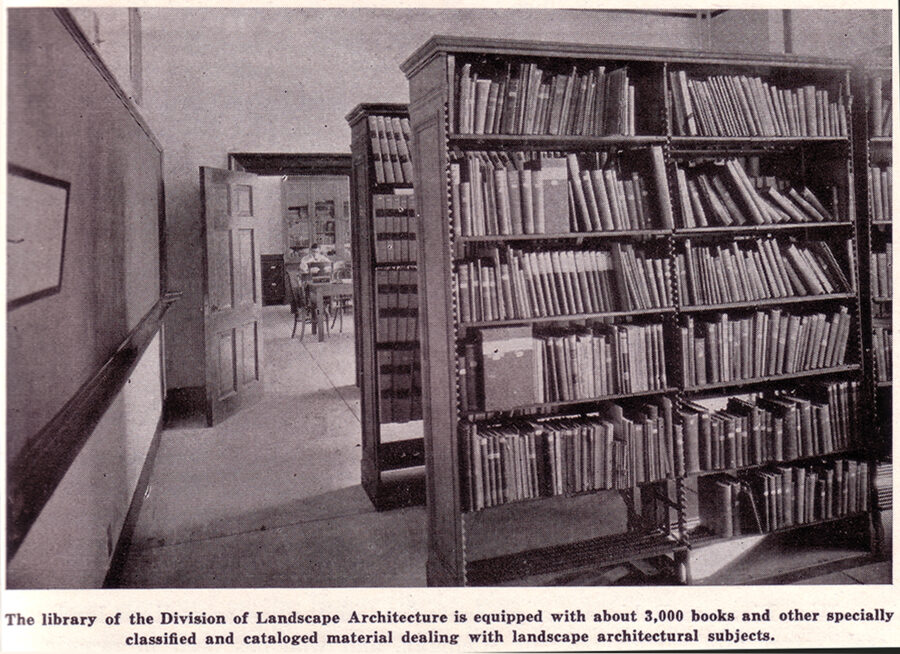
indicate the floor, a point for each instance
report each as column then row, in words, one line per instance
column 275, row 490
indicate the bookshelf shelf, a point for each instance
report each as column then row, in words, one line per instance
column 885, row 384
column 568, row 236
column 772, row 378
column 699, row 540
column 389, row 359
column 880, row 140
column 397, row 265
column 549, row 142
column 573, row 317
column 882, row 299
column 610, row 550
column 768, row 302
column 388, row 189
column 679, row 142
column 515, row 506
column 757, row 466
column 528, row 409
column 757, row 229
column 464, row 182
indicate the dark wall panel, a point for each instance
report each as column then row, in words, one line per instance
column 66, row 121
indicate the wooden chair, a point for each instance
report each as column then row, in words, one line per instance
column 304, row 310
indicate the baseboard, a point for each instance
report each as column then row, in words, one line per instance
column 123, row 544
column 184, row 404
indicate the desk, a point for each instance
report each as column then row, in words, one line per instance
column 319, row 293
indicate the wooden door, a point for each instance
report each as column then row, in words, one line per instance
column 232, row 299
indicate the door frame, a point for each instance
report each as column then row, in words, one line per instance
column 308, row 164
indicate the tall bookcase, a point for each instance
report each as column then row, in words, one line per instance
column 676, row 243
column 386, row 315
column 873, row 158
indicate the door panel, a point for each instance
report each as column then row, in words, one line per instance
column 246, row 268
column 232, row 305
column 227, row 381
column 221, row 284
column 249, row 353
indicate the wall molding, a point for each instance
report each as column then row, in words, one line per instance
column 39, row 467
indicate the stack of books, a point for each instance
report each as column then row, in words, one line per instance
column 783, row 497
column 560, row 283
column 759, row 269
column 726, row 348
column 820, row 418
column 400, row 385
column 390, row 138
column 724, row 193
column 398, row 306
column 745, row 105
column 615, row 449
column 499, row 193
column 527, row 99
column 399, row 369
column 395, row 228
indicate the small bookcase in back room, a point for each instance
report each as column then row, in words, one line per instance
column 638, row 289
column 387, row 319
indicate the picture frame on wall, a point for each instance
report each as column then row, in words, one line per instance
column 36, row 217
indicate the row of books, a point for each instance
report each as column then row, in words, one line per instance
column 723, row 193
column 616, row 448
column 390, row 137
column 399, row 385
column 881, row 344
column 758, row 269
column 880, row 121
column 743, row 105
column 604, row 360
column 882, row 272
column 606, row 199
column 884, row 485
column 881, row 189
column 528, row 99
column 783, row 497
column 395, row 228
column 397, row 306
column 819, row 419
column 532, row 193
column 561, row 283
column 725, row 348
column 514, row 368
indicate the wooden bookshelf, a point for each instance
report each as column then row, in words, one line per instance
column 382, row 459
column 873, row 159
column 449, row 134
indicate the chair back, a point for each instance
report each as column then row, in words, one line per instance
column 297, row 290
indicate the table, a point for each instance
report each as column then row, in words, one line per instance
column 319, row 292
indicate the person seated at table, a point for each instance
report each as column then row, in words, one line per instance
column 314, row 256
